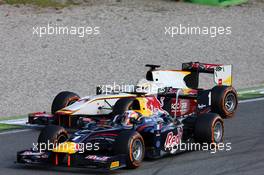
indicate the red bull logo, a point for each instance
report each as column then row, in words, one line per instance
column 153, row 104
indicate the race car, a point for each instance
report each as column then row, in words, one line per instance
column 124, row 142
column 174, row 91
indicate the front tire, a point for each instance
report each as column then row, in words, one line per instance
column 52, row 134
column 62, row 100
column 122, row 105
column 130, row 143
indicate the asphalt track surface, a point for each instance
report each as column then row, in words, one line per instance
column 245, row 132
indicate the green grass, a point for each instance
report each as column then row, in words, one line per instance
column 248, row 93
column 13, row 117
column 4, row 127
column 249, row 96
column 40, row 3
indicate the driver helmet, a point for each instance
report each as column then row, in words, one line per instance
column 127, row 116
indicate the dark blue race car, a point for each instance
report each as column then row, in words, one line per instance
column 123, row 141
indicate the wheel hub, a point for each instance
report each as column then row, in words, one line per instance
column 218, row 131
column 137, row 148
column 230, row 102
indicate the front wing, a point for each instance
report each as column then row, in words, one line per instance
column 71, row 160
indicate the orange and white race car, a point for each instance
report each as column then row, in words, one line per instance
column 175, row 92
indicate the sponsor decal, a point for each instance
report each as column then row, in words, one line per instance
column 162, row 101
column 201, row 106
column 182, row 106
column 99, row 158
column 173, row 106
column 172, row 141
column 161, row 90
column 45, row 156
column 114, row 164
column 218, row 68
column 30, row 153
column 173, row 90
column 153, row 104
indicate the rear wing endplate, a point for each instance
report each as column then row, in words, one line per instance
column 222, row 73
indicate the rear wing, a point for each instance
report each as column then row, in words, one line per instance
column 222, row 73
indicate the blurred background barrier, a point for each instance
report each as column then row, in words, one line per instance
column 222, row 3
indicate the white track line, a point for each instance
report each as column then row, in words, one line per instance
column 26, row 130
column 22, row 121
column 251, row 100
column 15, row 131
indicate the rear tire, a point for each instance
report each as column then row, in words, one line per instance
column 130, row 143
column 62, row 100
column 209, row 128
column 52, row 134
column 224, row 101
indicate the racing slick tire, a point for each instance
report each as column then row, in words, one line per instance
column 52, row 134
column 122, row 105
column 209, row 128
column 63, row 99
column 131, row 144
column 224, row 101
